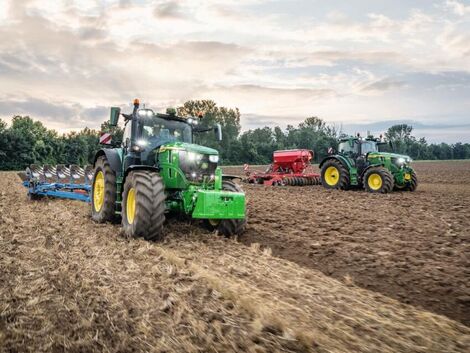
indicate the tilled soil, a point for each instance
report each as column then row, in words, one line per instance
column 69, row 284
column 414, row 247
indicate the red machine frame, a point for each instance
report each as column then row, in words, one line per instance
column 288, row 168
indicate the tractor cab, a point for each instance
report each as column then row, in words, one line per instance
column 357, row 146
column 149, row 136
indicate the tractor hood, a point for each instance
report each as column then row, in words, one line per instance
column 390, row 155
column 190, row 147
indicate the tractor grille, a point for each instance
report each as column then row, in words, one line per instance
column 196, row 167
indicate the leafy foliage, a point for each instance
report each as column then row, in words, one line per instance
column 27, row 141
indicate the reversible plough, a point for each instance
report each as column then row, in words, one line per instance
column 73, row 182
column 289, row 167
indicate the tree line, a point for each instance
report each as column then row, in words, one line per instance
column 27, row 141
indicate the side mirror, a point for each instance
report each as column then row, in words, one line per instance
column 114, row 117
column 218, row 132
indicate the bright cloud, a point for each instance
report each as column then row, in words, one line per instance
column 65, row 61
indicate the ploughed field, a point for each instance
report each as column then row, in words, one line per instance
column 414, row 247
column 316, row 270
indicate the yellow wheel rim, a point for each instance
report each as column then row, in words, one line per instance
column 331, row 175
column 130, row 206
column 374, row 181
column 98, row 191
column 213, row 222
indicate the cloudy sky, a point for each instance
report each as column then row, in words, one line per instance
column 361, row 64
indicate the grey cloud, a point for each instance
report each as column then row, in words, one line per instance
column 92, row 33
column 196, row 49
column 384, row 85
column 254, row 121
column 70, row 115
column 169, row 10
column 94, row 113
column 422, row 81
column 301, row 92
column 35, row 107
column 365, row 56
column 433, row 132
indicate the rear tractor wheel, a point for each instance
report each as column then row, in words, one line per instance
column 227, row 227
column 334, row 175
column 379, row 180
column 143, row 208
column 103, row 192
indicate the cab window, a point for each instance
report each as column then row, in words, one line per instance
column 346, row 147
column 126, row 138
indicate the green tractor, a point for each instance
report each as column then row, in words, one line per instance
column 157, row 170
column 359, row 163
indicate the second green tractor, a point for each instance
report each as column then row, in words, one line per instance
column 359, row 163
column 156, row 170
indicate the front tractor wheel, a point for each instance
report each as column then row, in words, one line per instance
column 378, row 179
column 103, row 192
column 227, row 227
column 334, row 175
column 143, row 208
column 413, row 183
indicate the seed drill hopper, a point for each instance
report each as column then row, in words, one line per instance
column 289, row 167
column 72, row 182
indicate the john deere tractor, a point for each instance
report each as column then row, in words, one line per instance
column 158, row 170
column 358, row 162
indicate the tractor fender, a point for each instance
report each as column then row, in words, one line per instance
column 340, row 159
column 131, row 168
column 113, row 158
column 371, row 166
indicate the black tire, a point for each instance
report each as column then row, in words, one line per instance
column 149, row 202
column 386, row 180
column 107, row 211
column 343, row 179
column 414, row 182
column 35, row 197
column 228, row 227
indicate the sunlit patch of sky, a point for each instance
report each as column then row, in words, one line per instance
column 364, row 62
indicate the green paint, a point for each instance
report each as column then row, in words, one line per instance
column 193, row 181
column 358, row 155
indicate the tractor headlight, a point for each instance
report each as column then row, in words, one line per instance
column 401, row 160
column 197, row 166
column 192, row 156
column 214, row 158
column 145, row 113
column 192, row 121
column 142, row 142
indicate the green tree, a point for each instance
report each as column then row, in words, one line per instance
column 400, row 137
column 228, row 118
column 3, row 144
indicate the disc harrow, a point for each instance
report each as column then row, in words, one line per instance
column 67, row 182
